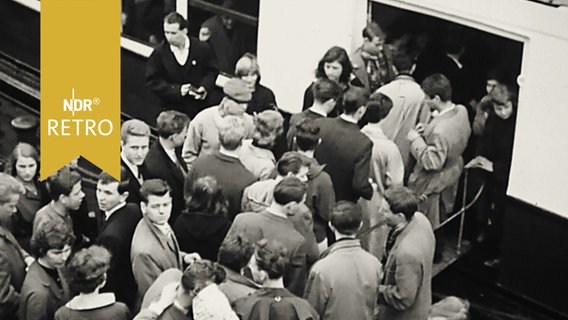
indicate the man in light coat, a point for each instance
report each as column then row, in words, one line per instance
column 344, row 284
column 437, row 148
column 406, row 289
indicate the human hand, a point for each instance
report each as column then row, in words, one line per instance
column 185, row 89
column 202, row 93
column 420, row 128
column 190, row 258
column 412, row 135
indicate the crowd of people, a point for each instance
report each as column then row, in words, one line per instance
column 237, row 212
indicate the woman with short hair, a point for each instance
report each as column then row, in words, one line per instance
column 45, row 289
column 334, row 65
column 248, row 70
column 86, row 272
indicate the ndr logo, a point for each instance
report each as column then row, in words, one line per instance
column 79, row 105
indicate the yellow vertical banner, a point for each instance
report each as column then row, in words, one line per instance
column 80, row 84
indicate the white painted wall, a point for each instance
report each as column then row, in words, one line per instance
column 539, row 173
column 294, row 35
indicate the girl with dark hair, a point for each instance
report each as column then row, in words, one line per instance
column 204, row 224
column 24, row 166
column 272, row 301
column 45, row 289
column 334, row 65
column 86, row 272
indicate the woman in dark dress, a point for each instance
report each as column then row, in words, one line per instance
column 24, row 166
column 86, row 271
column 263, row 98
column 203, row 225
column 334, row 65
column 495, row 159
column 272, row 301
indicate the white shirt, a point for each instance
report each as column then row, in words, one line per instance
column 113, row 210
column 133, row 168
column 435, row 115
column 321, row 113
column 348, row 118
column 181, row 54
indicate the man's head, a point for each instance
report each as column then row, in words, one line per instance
column 227, row 20
column 172, row 125
column 111, row 192
column 175, row 29
column 378, row 107
column 354, row 100
column 372, row 33
column 346, row 218
column 438, row 90
column 156, row 204
column 403, row 63
column 269, row 261
column 231, row 132
column 52, row 243
column 504, row 100
column 293, row 164
column 10, row 192
column 237, row 96
column 65, row 188
column 268, row 125
column 235, row 252
column 87, row 269
column 134, row 141
column 290, row 192
column 403, row 204
column 326, row 92
column 307, row 135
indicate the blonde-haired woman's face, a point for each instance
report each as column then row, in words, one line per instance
column 250, row 79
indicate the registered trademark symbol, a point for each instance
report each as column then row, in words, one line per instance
column 96, row 101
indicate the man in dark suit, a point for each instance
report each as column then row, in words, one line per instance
column 164, row 161
column 406, row 290
column 115, row 234
column 134, row 143
column 182, row 70
column 224, row 164
column 326, row 93
column 345, row 151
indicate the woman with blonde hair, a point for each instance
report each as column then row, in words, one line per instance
column 248, row 70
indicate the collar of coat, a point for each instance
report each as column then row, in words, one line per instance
column 91, row 301
column 341, row 245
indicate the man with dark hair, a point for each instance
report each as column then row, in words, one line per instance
column 66, row 196
column 134, row 143
column 164, row 160
column 320, row 195
column 273, row 223
column 12, row 263
column 372, row 62
column 224, row 164
column 181, row 71
column 407, row 108
column 326, row 93
column 345, row 151
column 437, row 148
column 344, row 284
column 115, row 234
column 154, row 246
column 234, row 255
column 406, row 289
